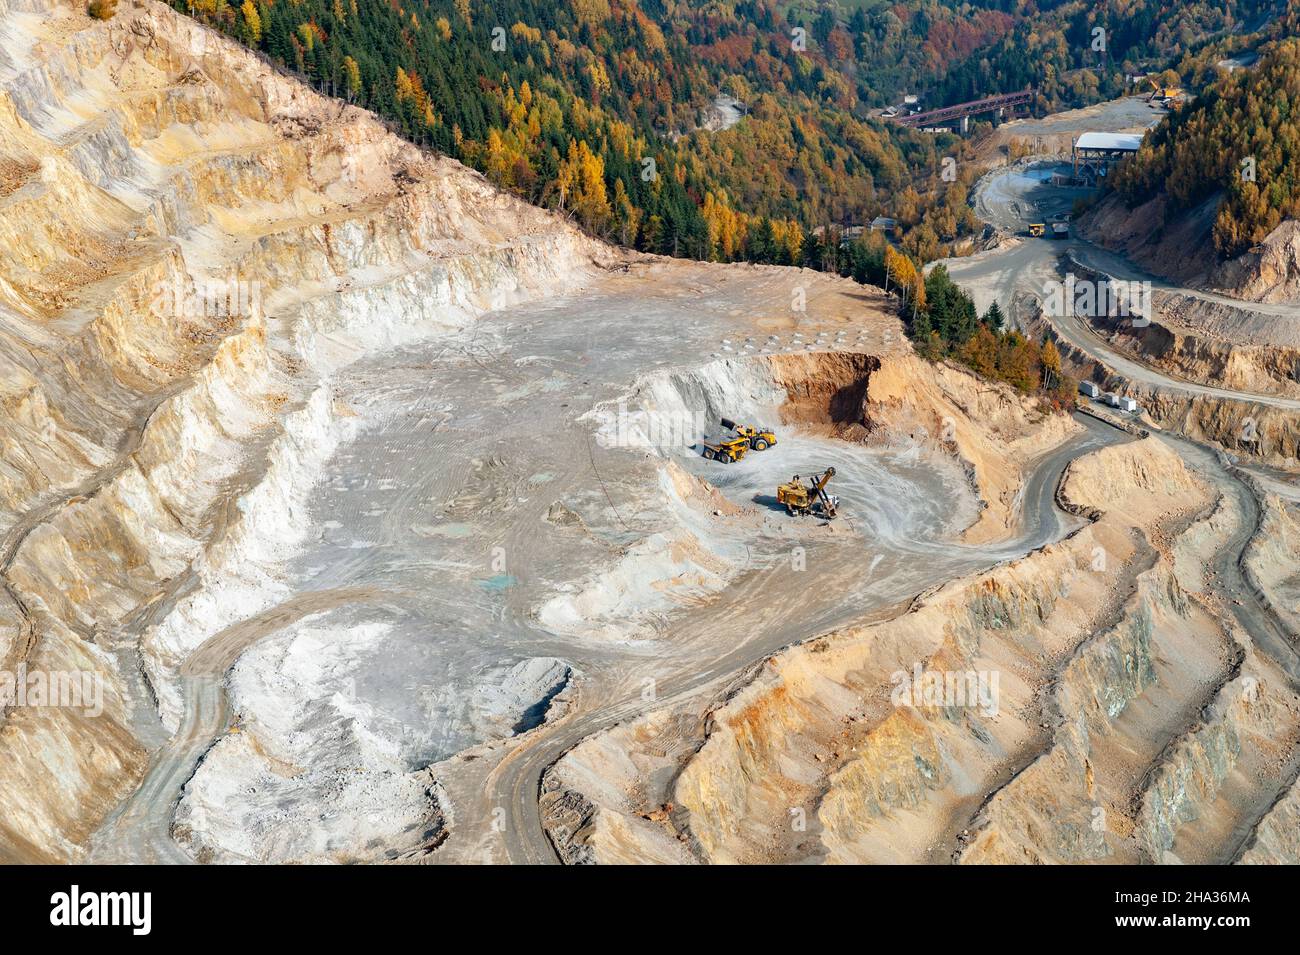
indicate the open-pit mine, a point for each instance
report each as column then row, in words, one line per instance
column 366, row 505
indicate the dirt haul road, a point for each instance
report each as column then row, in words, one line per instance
column 429, row 511
column 516, row 781
column 476, row 487
column 713, row 776
column 1024, row 270
column 1018, row 276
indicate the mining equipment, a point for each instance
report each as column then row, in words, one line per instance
column 759, row 438
column 726, row 450
column 1163, row 95
column 811, row 498
column 1037, row 229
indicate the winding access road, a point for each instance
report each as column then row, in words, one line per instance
column 1009, row 199
column 516, row 780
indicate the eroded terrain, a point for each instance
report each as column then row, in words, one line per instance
column 374, row 500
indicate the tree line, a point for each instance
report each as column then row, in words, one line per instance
column 595, row 108
column 1240, row 140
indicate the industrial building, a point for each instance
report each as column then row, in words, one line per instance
column 1095, row 153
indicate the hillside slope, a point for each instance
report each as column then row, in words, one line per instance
column 189, row 243
column 313, row 461
column 614, row 111
column 1213, row 196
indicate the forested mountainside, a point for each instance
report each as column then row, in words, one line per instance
column 1241, row 138
column 595, row 106
column 1056, row 47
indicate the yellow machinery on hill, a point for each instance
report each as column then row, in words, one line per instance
column 800, row 498
column 1163, row 94
column 1037, row 229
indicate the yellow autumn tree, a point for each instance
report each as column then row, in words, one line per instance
column 525, row 33
column 409, row 89
column 787, row 234
column 726, row 228
column 500, row 160
column 1051, row 359
column 904, row 276
column 252, row 22
column 581, row 184
column 351, row 76
column 402, row 85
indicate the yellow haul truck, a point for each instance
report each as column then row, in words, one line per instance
column 726, row 450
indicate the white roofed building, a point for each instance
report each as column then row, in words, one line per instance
column 1095, row 153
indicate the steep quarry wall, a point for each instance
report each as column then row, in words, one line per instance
column 1264, row 369
column 181, row 269
column 1090, row 702
column 192, row 251
column 1159, row 241
column 979, row 439
column 995, row 432
column 1128, row 775
column 1276, row 840
column 902, row 778
column 1247, row 429
column 1268, row 433
column 752, row 769
column 1270, row 272
column 1272, row 559
column 1208, row 339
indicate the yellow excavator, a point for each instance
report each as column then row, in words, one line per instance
column 1163, row 95
column 800, row 498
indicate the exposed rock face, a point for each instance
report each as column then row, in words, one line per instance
column 197, row 255
column 1091, row 701
column 1246, row 428
column 1272, row 559
column 1207, row 339
column 1201, row 356
column 1270, row 272
column 739, row 768
column 991, row 429
column 1237, row 331
column 181, row 269
column 1160, row 241
column 1153, row 237
column 1275, row 839
column 194, row 249
column 298, row 744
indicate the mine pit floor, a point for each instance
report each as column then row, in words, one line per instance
column 443, row 509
